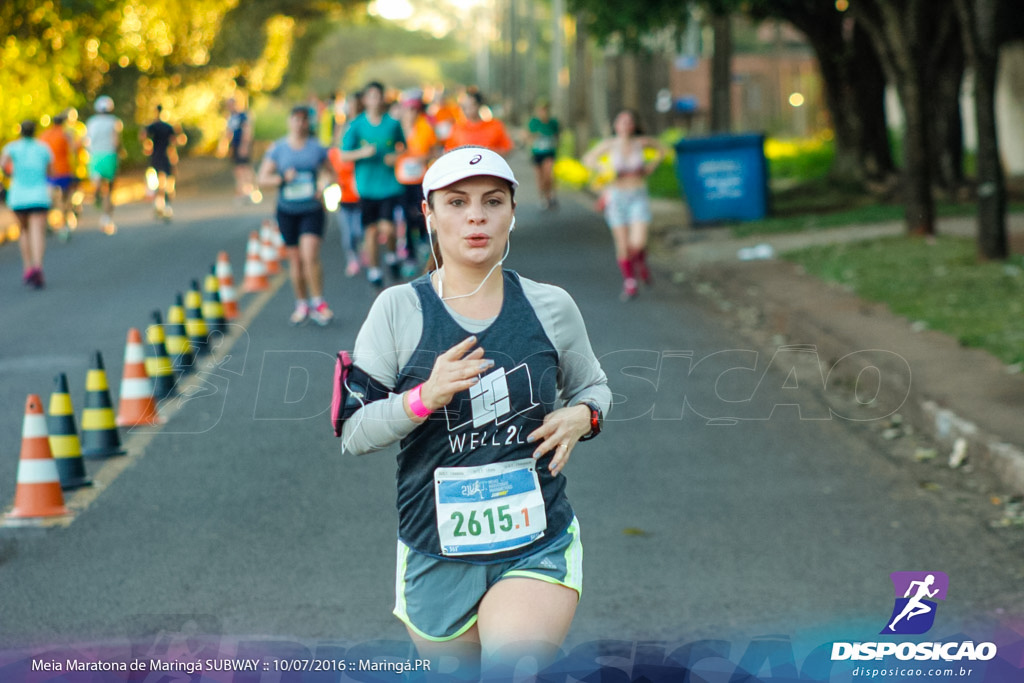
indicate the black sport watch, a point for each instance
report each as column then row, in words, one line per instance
column 596, row 419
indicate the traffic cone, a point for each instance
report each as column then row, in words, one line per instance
column 268, row 248
column 255, row 270
column 195, row 326
column 158, row 363
column 282, row 248
column 226, row 280
column 99, row 429
column 213, row 310
column 64, row 443
column 179, row 348
column 38, row 493
column 137, row 406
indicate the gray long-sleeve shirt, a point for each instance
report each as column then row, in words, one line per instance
column 392, row 331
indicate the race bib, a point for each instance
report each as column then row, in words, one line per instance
column 410, row 170
column 300, row 189
column 544, row 143
column 488, row 509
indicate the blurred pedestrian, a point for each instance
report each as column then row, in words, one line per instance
column 421, row 147
column 478, row 126
column 64, row 146
column 103, row 140
column 293, row 164
column 350, row 222
column 371, row 141
column 543, row 132
column 483, row 376
column 632, row 157
column 29, row 162
column 160, row 141
column 238, row 137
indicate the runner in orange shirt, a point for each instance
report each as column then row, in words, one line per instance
column 478, row 128
column 445, row 114
column 64, row 147
column 421, row 146
column 350, row 222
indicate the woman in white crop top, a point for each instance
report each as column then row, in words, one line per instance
column 627, row 208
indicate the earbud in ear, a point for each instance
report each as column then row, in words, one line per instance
column 430, row 228
column 512, row 225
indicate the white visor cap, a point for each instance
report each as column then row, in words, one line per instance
column 466, row 162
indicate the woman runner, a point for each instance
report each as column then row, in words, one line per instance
column 29, row 162
column 491, row 381
column 627, row 206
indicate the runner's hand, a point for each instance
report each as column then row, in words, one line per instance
column 558, row 435
column 455, row 370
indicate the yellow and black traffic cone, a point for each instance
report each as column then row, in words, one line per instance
column 195, row 326
column 63, row 435
column 99, row 429
column 158, row 363
column 213, row 310
column 179, row 348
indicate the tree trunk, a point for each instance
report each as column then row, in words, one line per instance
column 918, row 204
column 854, row 84
column 978, row 24
column 946, row 66
column 578, row 84
column 902, row 32
column 721, row 75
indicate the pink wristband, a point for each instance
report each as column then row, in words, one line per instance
column 416, row 403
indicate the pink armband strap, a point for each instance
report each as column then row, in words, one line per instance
column 416, row 403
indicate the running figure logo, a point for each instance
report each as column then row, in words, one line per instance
column 914, row 610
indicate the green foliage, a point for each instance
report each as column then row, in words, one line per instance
column 188, row 55
column 354, row 52
column 941, row 284
column 629, row 21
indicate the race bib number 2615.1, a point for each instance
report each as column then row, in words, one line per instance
column 488, row 509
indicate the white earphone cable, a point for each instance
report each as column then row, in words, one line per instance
column 440, row 271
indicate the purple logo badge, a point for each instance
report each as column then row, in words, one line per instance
column 914, row 610
column 476, row 160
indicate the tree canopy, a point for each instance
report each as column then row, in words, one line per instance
column 187, row 55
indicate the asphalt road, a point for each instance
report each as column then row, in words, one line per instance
column 240, row 518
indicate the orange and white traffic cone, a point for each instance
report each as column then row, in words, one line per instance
column 268, row 248
column 38, row 493
column 282, row 248
column 65, row 446
column 255, row 279
column 226, row 279
column 137, row 406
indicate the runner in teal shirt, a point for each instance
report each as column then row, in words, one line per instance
column 370, row 142
column 28, row 162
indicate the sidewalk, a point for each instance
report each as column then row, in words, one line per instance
column 952, row 392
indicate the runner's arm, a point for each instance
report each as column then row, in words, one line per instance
column 378, row 352
column 581, row 377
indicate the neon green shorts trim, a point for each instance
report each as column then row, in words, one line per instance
column 103, row 166
column 437, row 598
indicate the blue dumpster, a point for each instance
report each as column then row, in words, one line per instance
column 724, row 178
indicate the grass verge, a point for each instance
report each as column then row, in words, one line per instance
column 940, row 285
